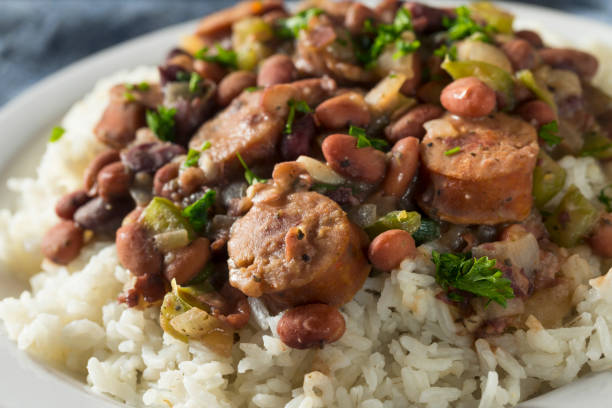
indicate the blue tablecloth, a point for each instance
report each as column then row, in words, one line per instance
column 38, row 37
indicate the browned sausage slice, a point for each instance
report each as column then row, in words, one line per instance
column 222, row 21
column 297, row 251
column 478, row 171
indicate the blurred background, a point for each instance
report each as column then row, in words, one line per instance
column 38, row 37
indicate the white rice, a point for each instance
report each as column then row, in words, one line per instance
column 402, row 346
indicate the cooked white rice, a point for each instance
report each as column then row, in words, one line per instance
column 401, row 348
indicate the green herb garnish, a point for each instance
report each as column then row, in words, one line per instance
column 202, row 276
column 249, row 176
column 464, row 26
column 291, row 27
column 549, row 133
column 56, row 134
column 143, row 86
column 226, row 58
column 194, row 82
column 405, row 47
column 197, row 213
column 452, row 151
column 475, row 275
column 443, row 51
column 605, row 199
column 253, row 88
column 300, row 106
column 193, row 155
column 162, row 122
column 363, row 140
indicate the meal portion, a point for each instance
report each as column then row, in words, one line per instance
column 284, row 159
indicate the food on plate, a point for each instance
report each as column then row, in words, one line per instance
column 339, row 206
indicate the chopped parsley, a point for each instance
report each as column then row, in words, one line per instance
column 475, row 275
column 162, row 123
column 143, row 86
column 299, row 106
column 197, row 213
column 249, row 176
column 253, row 88
column 56, row 134
column 291, row 27
column 129, row 97
column 464, row 26
column 443, row 51
column 363, row 140
column 226, row 58
column 387, row 34
column 452, row 151
column 605, row 199
column 194, row 82
column 193, row 155
column 549, row 133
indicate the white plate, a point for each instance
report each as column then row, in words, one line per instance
column 24, row 125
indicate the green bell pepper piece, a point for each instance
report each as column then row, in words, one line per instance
column 403, row 220
column 548, row 179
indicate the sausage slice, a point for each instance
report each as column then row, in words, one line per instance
column 478, row 171
column 300, row 250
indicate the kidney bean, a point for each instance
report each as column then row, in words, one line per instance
column 426, row 19
column 468, row 97
column 209, row 70
column 522, row 93
column 298, row 142
column 411, row 123
column 101, row 216
column 343, row 110
column 168, row 172
column 137, row 251
column 536, row 112
column 119, row 122
column 520, row 53
column 390, row 248
column 402, row 167
column 191, row 179
column 582, row 63
column 356, row 16
column 430, row 92
column 277, row 69
column 91, row 172
column 601, row 240
column 114, row 180
column 69, row 203
column 149, row 157
column 343, row 156
column 62, row 243
column 411, row 85
column 311, row 325
column 530, row 36
column 233, row 84
column 229, row 305
column 188, row 261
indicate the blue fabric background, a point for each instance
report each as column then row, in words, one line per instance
column 38, row 37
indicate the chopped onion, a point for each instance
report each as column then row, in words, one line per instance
column 470, row 50
column 386, row 97
column 319, row 171
column 167, row 241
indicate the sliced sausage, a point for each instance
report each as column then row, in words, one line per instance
column 301, row 250
column 478, row 171
column 219, row 23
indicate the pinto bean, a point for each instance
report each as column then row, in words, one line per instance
column 168, row 172
column 390, row 248
column 582, row 63
column 343, row 156
column 277, row 69
column 343, row 110
column 520, row 53
column 232, row 85
column 536, row 112
column 188, row 261
column 601, row 240
column 311, row 325
column 411, row 123
column 63, row 242
column 191, row 179
column 468, row 97
column 402, row 167
column 114, row 180
column 69, row 203
column 356, row 16
column 91, row 172
column 137, row 251
column 101, row 216
column 530, row 36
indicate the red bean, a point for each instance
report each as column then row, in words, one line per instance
column 101, row 160
column 402, row 167
column 137, row 251
column 343, row 110
column 531, row 36
column 356, row 16
column 209, row 70
column 390, row 248
column 520, row 53
column 114, row 180
column 311, row 325
column 582, row 63
column 411, row 85
column 343, row 156
column 232, row 85
column 601, row 240
column 165, row 174
column 69, row 203
column 536, row 112
column 188, row 261
column 277, row 69
column 411, row 123
column 468, row 97
column 63, row 242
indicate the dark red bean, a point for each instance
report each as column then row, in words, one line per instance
column 411, row 124
column 103, row 217
column 536, row 112
column 91, row 172
column 137, row 251
column 149, row 157
column 582, row 63
column 531, row 36
column 114, row 181
column 520, row 53
column 62, row 243
column 298, row 142
column 311, row 326
column 188, row 261
column 69, row 203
